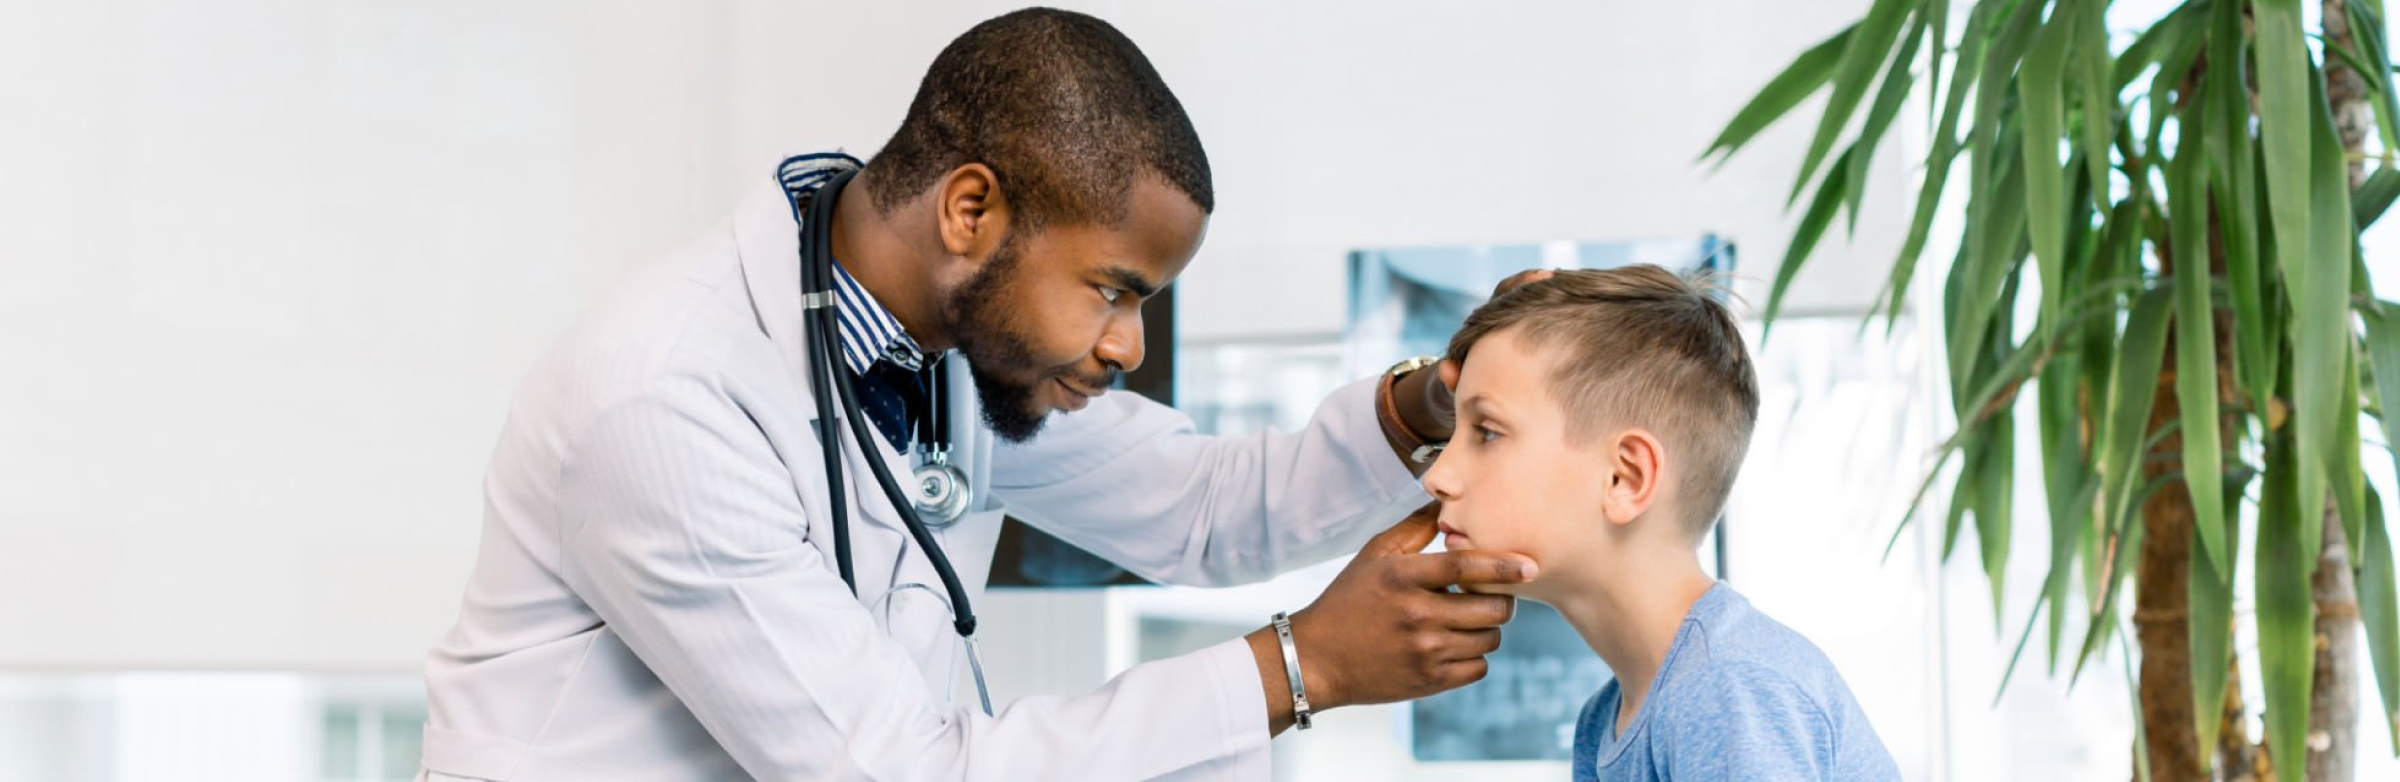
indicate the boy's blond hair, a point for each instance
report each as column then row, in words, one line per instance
column 1640, row 346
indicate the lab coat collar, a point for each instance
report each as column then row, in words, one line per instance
column 768, row 240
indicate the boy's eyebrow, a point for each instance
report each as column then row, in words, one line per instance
column 1481, row 403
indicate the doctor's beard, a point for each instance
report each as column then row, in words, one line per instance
column 977, row 316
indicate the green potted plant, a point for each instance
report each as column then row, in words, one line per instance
column 2179, row 216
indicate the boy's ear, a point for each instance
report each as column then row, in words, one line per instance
column 1637, row 463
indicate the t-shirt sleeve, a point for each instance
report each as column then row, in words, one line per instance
column 1744, row 722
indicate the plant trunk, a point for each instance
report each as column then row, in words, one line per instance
column 2333, row 703
column 2162, row 605
column 2238, row 758
column 2333, row 700
column 2162, row 577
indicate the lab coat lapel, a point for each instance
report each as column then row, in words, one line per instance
column 883, row 555
column 768, row 242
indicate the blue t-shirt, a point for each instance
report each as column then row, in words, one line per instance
column 1739, row 697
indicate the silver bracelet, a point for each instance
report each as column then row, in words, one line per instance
column 1291, row 670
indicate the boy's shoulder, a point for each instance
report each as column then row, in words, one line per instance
column 1730, row 641
column 1746, row 680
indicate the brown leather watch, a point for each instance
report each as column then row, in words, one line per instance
column 1387, row 413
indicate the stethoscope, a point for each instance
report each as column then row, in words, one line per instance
column 943, row 490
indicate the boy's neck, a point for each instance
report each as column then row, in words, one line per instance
column 1629, row 610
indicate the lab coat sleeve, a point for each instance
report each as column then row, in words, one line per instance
column 684, row 533
column 1130, row 480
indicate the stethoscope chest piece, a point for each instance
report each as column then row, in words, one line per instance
column 943, row 494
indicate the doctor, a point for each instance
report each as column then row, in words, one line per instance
column 676, row 583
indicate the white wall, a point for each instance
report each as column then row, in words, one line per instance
column 268, row 272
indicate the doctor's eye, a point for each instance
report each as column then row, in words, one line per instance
column 1109, row 294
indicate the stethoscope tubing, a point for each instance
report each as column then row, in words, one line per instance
column 820, row 328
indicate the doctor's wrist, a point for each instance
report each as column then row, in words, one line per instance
column 1266, row 649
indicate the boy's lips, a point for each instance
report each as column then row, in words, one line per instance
column 1450, row 534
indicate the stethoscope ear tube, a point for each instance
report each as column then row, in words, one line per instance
column 816, row 318
column 816, row 251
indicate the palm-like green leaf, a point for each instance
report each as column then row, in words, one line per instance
column 2286, row 616
column 2187, row 23
column 2374, row 196
column 1994, row 243
column 1993, row 513
column 2099, row 98
column 2320, row 292
column 1868, row 45
column 2233, row 182
column 1812, row 227
column 1895, row 90
column 1794, row 84
column 2284, row 120
column 1937, row 162
column 2349, row 480
column 2196, row 343
column 2067, row 481
column 2042, row 102
column 2379, row 613
column 2366, row 25
column 2378, row 602
column 2131, row 389
column 2123, row 439
column 2212, row 625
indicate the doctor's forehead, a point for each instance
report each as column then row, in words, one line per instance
column 1144, row 252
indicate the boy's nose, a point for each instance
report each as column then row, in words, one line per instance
column 1439, row 480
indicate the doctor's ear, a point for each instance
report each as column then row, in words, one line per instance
column 972, row 213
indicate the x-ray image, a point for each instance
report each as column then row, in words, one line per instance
column 1407, row 302
column 1525, row 708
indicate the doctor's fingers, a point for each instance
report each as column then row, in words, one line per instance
column 1462, row 568
column 1409, row 536
column 1468, row 611
column 1453, row 675
column 1520, row 278
column 1464, row 645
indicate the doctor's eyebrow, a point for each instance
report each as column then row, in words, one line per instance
column 1130, row 280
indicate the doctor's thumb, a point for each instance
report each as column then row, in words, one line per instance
column 1409, row 536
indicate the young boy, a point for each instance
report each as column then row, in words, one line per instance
column 1602, row 416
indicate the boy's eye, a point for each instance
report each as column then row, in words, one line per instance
column 1489, row 434
column 1109, row 294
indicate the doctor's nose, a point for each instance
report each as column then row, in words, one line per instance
column 1121, row 344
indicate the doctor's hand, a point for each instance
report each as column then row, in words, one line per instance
column 1387, row 629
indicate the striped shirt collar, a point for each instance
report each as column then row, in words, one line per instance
column 870, row 332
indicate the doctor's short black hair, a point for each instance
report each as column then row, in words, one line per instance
column 1064, row 109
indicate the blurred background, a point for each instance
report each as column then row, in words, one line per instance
column 269, row 270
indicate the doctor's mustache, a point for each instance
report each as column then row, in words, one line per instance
column 1106, row 379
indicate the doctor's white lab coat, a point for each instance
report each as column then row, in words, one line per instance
column 656, row 598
